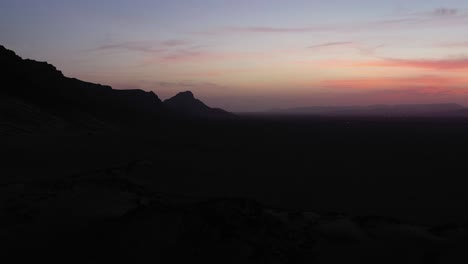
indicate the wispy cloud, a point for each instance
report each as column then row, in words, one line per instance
column 369, row 50
column 171, row 50
column 195, row 55
column 331, row 44
column 145, row 46
column 426, row 18
column 270, row 30
column 137, row 46
column 260, row 29
column 319, row 28
column 363, row 49
column 454, row 44
column 175, row 42
column 186, row 55
column 442, row 11
column 200, row 55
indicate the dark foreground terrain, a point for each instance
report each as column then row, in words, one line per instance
column 90, row 174
column 250, row 190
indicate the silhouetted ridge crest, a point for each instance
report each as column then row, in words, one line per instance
column 8, row 54
column 184, row 95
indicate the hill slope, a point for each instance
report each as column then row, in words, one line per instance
column 42, row 85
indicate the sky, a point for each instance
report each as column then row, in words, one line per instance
column 252, row 55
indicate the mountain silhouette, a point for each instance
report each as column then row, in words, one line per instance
column 40, row 86
column 186, row 103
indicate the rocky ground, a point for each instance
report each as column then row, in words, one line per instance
column 105, row 215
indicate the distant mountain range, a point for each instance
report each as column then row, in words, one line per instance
column 398, row 110
column 32, row 91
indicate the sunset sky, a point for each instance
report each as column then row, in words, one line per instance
column 249, row 55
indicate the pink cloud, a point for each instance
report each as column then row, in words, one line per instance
column 441, row 64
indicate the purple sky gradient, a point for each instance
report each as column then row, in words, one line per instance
column 253, row 55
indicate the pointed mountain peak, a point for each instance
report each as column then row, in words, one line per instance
column 185, row 99
column 186, row 103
